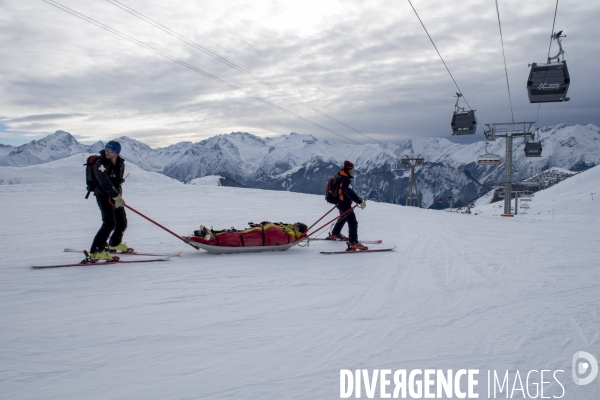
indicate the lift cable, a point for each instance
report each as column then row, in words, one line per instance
column 229, row 63
column 193, row 68
column 438, row 52
column 549, row 47
column 505, row 68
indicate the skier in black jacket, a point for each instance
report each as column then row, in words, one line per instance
column 109, row 170
column 346, row 196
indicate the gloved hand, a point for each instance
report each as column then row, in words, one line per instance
column 119, row 202
column 363, row 204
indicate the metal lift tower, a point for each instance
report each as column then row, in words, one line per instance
column 413, row 162
column 496, row 130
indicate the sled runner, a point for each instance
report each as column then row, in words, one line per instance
column 244, row 249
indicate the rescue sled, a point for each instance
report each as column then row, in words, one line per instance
column 266, row 236
column 244, row 249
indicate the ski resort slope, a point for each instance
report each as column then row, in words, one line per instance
column 72, row 170
column 460, row 291
column 570, row 199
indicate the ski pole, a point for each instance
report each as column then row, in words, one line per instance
column 159, row 225
column 324, row 215
column 338, row 217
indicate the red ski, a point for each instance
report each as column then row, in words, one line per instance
column 379, row 241
column 135, row 253
column 85, row 263
column 358, row 251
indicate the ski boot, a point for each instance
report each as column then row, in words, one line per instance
column 101, row 255
column 122, row 247
column 356, row 246
column 339, row 237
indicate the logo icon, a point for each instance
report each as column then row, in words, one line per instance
column 549, row 86
column 582, row 367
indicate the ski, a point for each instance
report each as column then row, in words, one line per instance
column 362, row 241
column 135, row 253
column 358, row 251
column 85, row 263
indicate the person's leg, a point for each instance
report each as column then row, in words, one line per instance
column 108, row 224
column 337, row 228
column 121, row 225
column 352, row 227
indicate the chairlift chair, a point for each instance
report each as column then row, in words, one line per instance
column 549, row 82
column 488, row 158
column 463, row 122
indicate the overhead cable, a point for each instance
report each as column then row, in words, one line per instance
column 505, row 68
column 193, row 68
column 229, row 63
column 441, row 58
column 549, row 47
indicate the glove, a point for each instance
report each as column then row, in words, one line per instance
column 119, row 202
column 363, row 204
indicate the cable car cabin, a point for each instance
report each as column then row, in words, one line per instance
column 463, row 123
column 489, row 159
column 548, row 82
column 533, row 149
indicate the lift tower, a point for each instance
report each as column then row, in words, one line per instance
column 413, row 162
column 496, row 130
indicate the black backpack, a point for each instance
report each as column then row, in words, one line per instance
column 90, row 179
column 331, row 190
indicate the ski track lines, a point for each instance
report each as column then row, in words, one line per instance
column 459, row 292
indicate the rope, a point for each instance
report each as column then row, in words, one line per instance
column 548, row 56
column 441, row 58
column 189, row 66
column 505, row 68
column 552, row 33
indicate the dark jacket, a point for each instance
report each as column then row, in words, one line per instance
column 109, row 177
column 346, row 194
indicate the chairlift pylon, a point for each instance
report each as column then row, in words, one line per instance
column 488, row 158
column 463, row 122
column 549, row 82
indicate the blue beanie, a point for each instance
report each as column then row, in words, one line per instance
column 114, row 146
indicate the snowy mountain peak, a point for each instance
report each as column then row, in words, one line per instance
column 59, row 145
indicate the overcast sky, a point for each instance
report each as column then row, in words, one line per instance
column 367, row 63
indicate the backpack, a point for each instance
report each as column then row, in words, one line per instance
column 90, row 179
column 331, row 190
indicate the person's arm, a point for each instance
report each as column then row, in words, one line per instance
column 350, row 193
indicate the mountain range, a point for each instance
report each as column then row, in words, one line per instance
column 302, row 163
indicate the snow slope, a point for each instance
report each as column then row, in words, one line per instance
column 570, row 199
column 460, row 291
column 72, row 170
column 210, row 180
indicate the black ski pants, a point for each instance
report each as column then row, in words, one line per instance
column 350, row 218
column 113, row 220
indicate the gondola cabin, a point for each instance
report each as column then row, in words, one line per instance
column 463, row 123
column 533, row 149
column 548, row 82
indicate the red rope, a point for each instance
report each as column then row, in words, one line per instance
column 338, row 217
column 159, row 225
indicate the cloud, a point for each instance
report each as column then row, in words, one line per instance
column 40, row 117
column 366, row 63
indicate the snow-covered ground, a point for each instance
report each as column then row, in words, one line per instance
column 460, row 291
column 210, row 180
column 570, row 199
column 72, row 170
